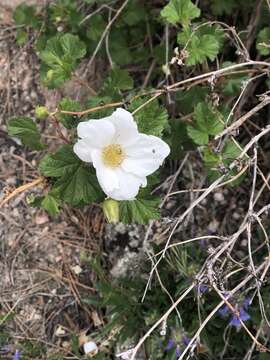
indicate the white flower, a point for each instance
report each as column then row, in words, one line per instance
column 122, row 156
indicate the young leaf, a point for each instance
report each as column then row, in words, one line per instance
column 50, row 204
column 69, row 121
column 263, row 41
column 139, row 211
column 152, row 118
column 60, row 58
column 180, row 11
column 26, row 130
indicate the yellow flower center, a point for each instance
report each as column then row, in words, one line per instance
column 113, row 155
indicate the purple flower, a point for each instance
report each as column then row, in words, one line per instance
column 235, row 320
column 17, row 355
column 172, row 344
column 224, row 311
column 201, row 288
column 178, row 351
column 246, row 303
column 186, row 340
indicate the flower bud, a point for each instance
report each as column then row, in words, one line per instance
column 111, row 210
column 41, row 112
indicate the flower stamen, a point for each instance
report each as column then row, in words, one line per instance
column 113, row 155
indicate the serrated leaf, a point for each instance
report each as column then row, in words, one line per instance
column 60, row 58
column 139, row 211
column 117, row 80
column 221, row 7
column 134, row 13
column 200, row 137
column 263, row 41
column 213, row 161
column 207, row 121
column 79, row 188
column 120, row 47
column 152, row 118
column 76, row 182
column 178, row 139
column 202, row 45
column 69, row 121
column 61, row 163
column 26, row 130
column 187, row 100
column 95, row 101
column 50, row 204
column 21, row 37
column 25, row 15
column 96, row 27
column 180, row 11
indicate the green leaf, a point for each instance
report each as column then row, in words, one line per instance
column 187, row 100
column 201, row 45
column 152, row 118
column 221, row 7
column 69, row 121
column 63, row 162
column 231, row 86
column 76, row 182
column 139, row 211
column 60, row 58
column 134, row 13
column 50, row 204
column 207, row 121
column 263, row 41
column 200, row 137
column 180, row 11
column 21, row 36
column 26, row 130
column 178, row 139
column 96, row 27
column 95, row 101
column 79, row 188
column 213, row 162
column 117, row 80
column 25, row 15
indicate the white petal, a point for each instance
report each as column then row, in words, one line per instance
column 129, row 185
column 145, row 156
column 115, row 182
column 83, row 150
column 106, row 176
column 125, row 126
column 99, row 133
